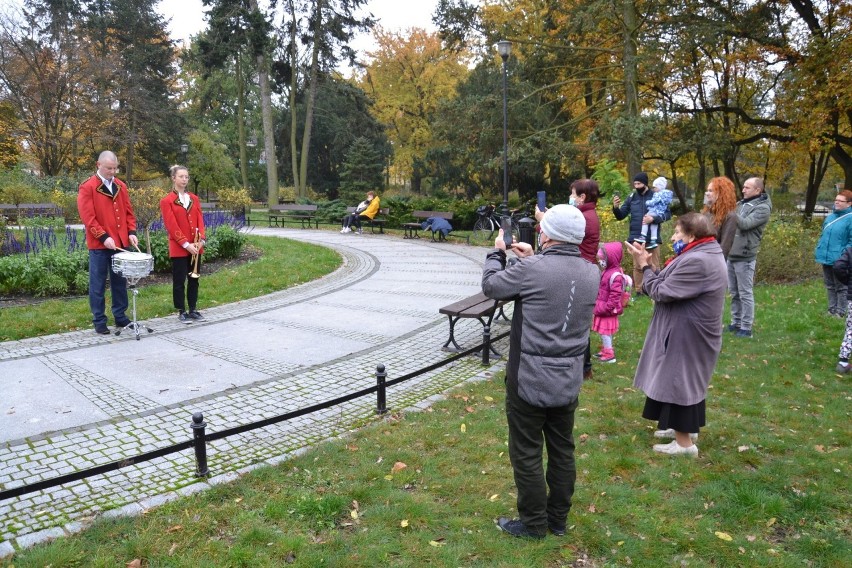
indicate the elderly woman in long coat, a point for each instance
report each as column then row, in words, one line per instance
column 685, row 335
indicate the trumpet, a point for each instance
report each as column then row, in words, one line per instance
column 196, row 242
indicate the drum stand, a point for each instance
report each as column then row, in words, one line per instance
column 134, row 325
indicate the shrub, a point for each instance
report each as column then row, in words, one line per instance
column 234, row 199
column 226, row 241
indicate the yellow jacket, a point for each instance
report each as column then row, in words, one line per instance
column 371, row 209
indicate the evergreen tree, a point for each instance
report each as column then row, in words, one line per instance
column 362, row 170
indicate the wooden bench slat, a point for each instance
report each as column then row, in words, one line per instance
column 303, row 213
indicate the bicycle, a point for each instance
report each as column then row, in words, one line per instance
column 488, row 224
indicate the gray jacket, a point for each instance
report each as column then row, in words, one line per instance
column 685, row 335
column 752, row 217
column 554, row 294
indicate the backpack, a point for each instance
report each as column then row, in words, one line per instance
column 626, row 287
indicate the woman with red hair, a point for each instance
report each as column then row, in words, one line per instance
column 720, row 203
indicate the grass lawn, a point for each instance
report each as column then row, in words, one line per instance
column 283, row 263
column 769, row 488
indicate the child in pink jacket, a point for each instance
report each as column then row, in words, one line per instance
column 609, row 302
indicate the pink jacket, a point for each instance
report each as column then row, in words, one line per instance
column 608, row 303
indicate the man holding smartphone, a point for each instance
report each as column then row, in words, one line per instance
column 554, row 294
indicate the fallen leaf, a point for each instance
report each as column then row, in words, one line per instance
column 353, row 513
column 403, row 523
column 742, row 449
column 290, row 558
column 398, row 466
column 352, row 447
column 583, row 437
column 238, row 500
column 489, row 399
column 389, row 477
column 592, row 508
column 469, row 409
column 135, row 563
column 463, row 428
column 437, row 542
column 741, row 549
column 172, row 549
column 494, row 497
column 724, row 536
column 751, row 538
column 175, row 528
column 820, row 448
column 770, row 522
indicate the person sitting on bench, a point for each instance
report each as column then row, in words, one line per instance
column 367, row 209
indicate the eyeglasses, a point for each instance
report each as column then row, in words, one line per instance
column 840, row 201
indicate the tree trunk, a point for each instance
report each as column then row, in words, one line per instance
column 131, row 147
column 294, row 85
column 268, row 126
column 241, row 124
column 844, row 160
column 631, row 81
column 309, row 102
column 816, row 171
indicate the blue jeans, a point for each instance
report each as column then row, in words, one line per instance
column 741, row 285
column 100, row 265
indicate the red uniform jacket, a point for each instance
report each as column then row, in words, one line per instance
column 181, row 223
column 105, row 215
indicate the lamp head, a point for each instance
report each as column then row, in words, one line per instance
column 504, row 48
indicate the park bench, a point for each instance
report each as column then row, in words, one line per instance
column 15, row 212
column 412, row 229
column 305, row 214
column 479, row 306
column 378, row 221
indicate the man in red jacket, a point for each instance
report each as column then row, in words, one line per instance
column 104, row 206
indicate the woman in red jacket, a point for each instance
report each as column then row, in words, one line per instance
column 185, row 226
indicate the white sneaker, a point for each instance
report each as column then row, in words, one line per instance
column 670, row 433
column 674, row 449
column 345, row 230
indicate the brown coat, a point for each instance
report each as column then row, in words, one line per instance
column 685, row 335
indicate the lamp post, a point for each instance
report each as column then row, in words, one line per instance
column 504, row 48
column 184, row 148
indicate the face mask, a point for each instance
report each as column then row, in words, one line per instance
column 707, row 200
column 572, row 201
column 678, row 246
column 602, row 264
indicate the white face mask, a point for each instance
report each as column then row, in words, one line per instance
column 602, row 264
column 572, row 201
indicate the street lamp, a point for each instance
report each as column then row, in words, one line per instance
column 184, row 148
column 504, row 48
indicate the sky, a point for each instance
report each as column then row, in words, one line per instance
column 187, row 17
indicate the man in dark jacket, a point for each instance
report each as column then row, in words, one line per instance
column 637, row 209
column 752, row 216
column 554, row 294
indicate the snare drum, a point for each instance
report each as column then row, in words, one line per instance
column 133, row 264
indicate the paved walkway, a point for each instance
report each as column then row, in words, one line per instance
column 76, row 400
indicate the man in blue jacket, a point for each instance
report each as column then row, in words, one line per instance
column 636, row 207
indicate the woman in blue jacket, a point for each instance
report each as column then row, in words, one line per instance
column 835, row 237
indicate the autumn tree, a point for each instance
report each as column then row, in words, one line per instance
column 407, row 76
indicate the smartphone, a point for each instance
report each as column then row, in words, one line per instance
column 542, row 200
column 506, row 225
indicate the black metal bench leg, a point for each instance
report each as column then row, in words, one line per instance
column 452, row 338
column 488, row 325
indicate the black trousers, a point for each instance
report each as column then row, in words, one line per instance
column 181, row 267
column 543, row 497
column 354, row 219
